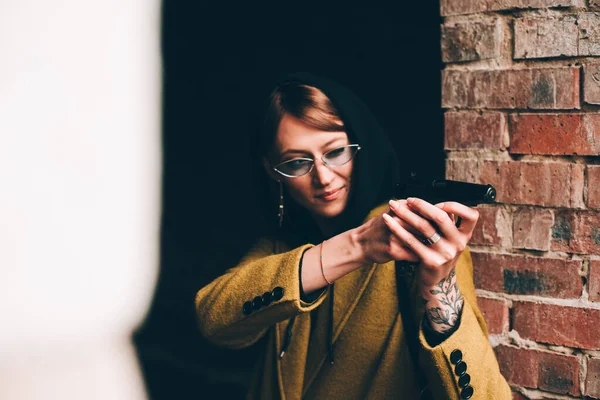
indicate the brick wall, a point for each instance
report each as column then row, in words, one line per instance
column 521, row 93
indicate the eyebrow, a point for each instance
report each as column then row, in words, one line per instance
column 306, row 152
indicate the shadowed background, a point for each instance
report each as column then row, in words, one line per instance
column 220, row 63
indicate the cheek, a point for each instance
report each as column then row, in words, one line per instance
column 346, row 171
column 299, row 189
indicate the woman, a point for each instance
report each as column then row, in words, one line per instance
column 323, row 285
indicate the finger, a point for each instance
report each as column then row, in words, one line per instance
column 455, row 218
column 404, row 224
column 401, row 252
column 436, row 215
column 416, row 222
column 407, row 239
column 468, row 216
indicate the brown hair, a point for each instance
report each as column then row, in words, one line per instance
column 307, row 103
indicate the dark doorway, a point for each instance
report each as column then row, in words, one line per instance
column 219, row 62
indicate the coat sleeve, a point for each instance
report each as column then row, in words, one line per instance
column 236, row 309
column 466, row 349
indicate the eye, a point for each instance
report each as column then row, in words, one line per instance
column 295, row 167
column 336, row 152
column 341, row 155
column 299, row 163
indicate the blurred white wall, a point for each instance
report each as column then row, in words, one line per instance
column 79, row 194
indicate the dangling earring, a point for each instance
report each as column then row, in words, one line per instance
column 280, row 211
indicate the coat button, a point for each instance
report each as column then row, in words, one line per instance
column 464, row 381
column 467, row 392
column 257, row 303
column 267, row 298
column 460, row 368
column 456, row 356
column 247, row 308
column 277, row 293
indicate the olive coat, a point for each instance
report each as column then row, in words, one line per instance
column 372, row 360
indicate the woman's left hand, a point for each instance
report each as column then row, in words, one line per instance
column 437, row 260
column 436, row 278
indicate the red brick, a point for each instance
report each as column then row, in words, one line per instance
column 470, row 41
column 532, row 228
column 537, row 37
column 594, row 280
column 473, row 130
column 456, row 7
column 576, row 232
column 558, row 325
column 544, row 184
column 495, row 313
column 591, row 83
column 551, row 372
column 463, row 169
column 593, row 186
column 517, row 274
column 577, row 184
column 555, row 134
column 567, row 35
column 589, row 34
column 535, row 183
column 592, row 379
column 542, row 88
column 518, row 366
column 493, row 227
column 559, row 374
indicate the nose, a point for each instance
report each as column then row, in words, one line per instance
column 322, row 174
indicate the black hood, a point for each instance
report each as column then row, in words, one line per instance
column 375, row 173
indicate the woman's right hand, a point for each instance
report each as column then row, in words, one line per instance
column 379, row 245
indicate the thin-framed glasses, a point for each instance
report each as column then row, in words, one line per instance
column 302, row 165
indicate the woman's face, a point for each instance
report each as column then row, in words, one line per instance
column 324, row 191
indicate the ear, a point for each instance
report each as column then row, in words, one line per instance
column 274, row 175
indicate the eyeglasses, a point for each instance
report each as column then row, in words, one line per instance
column 302, row 166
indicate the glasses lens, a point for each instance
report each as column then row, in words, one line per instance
column 341, row 155
column 297, row 167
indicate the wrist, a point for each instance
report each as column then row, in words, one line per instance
column 429, row 284
column 357, row 246
column 443, row 303
column 435, row 336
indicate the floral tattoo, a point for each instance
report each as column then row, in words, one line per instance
column 445, row 318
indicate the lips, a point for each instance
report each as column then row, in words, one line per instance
column 330, row 195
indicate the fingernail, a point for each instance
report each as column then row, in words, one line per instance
column 410, row 200
column 393, row 203
column 386, row 217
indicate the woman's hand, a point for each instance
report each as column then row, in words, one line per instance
column 378, row 244
column 436, row 278
column 439, row 259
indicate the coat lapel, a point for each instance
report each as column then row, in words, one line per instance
column 291, row 368
column 348, row 292
column 350, row 288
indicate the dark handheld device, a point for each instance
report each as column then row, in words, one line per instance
column 439, row 190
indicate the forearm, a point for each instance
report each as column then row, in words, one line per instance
column 341, row 255
column 443, row 305
column 440, row 362
column 235, row 309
